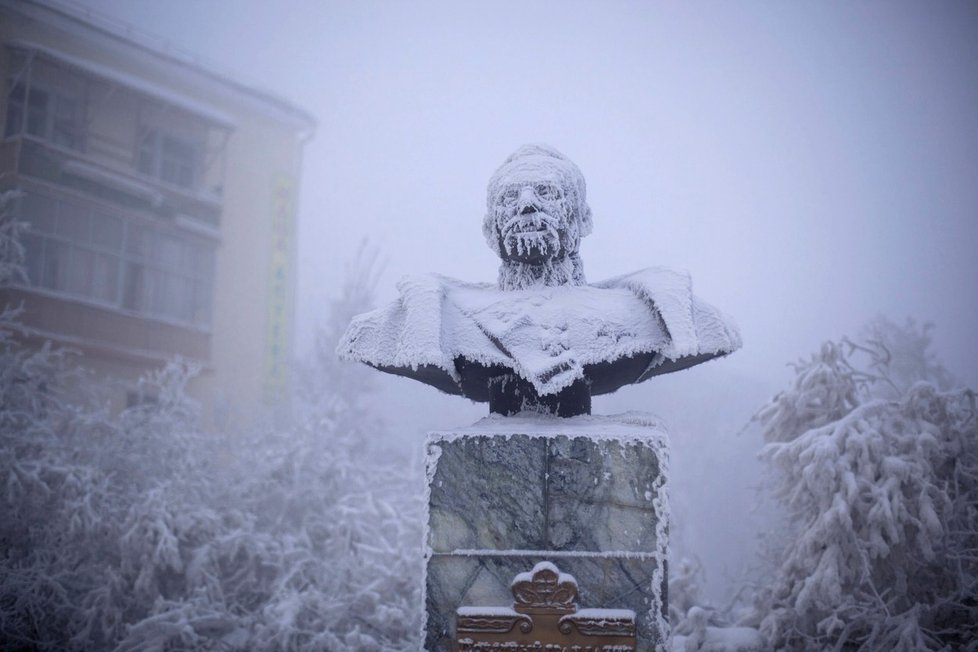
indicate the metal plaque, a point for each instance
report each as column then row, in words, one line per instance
column 544, row 618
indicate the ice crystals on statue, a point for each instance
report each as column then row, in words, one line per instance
column 542, row 338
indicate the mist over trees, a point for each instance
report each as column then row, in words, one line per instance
column 875, row 461
column 140, row 531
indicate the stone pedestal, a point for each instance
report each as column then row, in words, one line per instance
column 586, row 493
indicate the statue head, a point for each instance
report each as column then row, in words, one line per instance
column 537, row 212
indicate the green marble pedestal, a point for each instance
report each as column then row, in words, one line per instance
column 586, row 493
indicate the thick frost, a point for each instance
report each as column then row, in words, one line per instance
column 626, row 427
column 547, row 335
column 536, row 215
column 562, row 578
column 138, row 531
column 543, row 323
column 878, row 472
column 718, row 639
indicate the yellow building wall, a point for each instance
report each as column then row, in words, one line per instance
column 263, row 161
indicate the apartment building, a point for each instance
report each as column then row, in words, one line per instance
column 161, row 202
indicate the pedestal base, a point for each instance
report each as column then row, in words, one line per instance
column 587, row 493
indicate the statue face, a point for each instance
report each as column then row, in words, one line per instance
column 531, row 218
column 536, row 207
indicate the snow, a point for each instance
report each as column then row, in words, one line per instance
column 556, row 554
column 693, row 326
column 487, row 611
column 707, row 638
column 562, row 578
column 547, row 335
column 605, row 614
column 721, row 639
column 542, row 323
column 432, row 455
column 137, row 530
column 628, row 427
column 662, row 509
column 876, row 468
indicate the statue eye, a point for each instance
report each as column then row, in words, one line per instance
column 511, row 195
column 546, row 191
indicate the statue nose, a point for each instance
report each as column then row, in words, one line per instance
column 528, row 200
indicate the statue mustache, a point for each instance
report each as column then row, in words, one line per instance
column 536, row 221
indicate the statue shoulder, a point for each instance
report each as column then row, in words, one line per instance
column 657, row 279
column 421, row 327
column 694, row 326
column 417, row 285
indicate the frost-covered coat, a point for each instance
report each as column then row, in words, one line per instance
column 456, row 335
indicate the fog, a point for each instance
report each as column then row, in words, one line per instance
column 810, row 164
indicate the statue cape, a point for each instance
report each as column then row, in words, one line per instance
column 456, row 335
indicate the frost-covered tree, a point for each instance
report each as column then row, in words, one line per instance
column 139, row 531
column 685, row 581
column 698, row 627
column 876, row 464
column 337, row 394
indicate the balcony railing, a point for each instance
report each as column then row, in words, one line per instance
column 108, row 176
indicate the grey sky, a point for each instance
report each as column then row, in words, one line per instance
column 811, row 164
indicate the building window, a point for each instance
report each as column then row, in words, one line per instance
column 169, row 157
column 117, row 261
column 49, row 115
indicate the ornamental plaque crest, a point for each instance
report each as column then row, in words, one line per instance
column 544, row 617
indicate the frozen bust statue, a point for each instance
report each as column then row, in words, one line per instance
column 542, row 338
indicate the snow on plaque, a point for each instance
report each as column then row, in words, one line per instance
column 544, row 618
column 542, row 338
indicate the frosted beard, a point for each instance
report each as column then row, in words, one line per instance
column 532, row 235
column 535, row 242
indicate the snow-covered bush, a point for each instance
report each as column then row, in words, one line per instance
column 877, row 467
column 701, row 636
column 698, row 627
column 139, row 531
column 685, row 581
